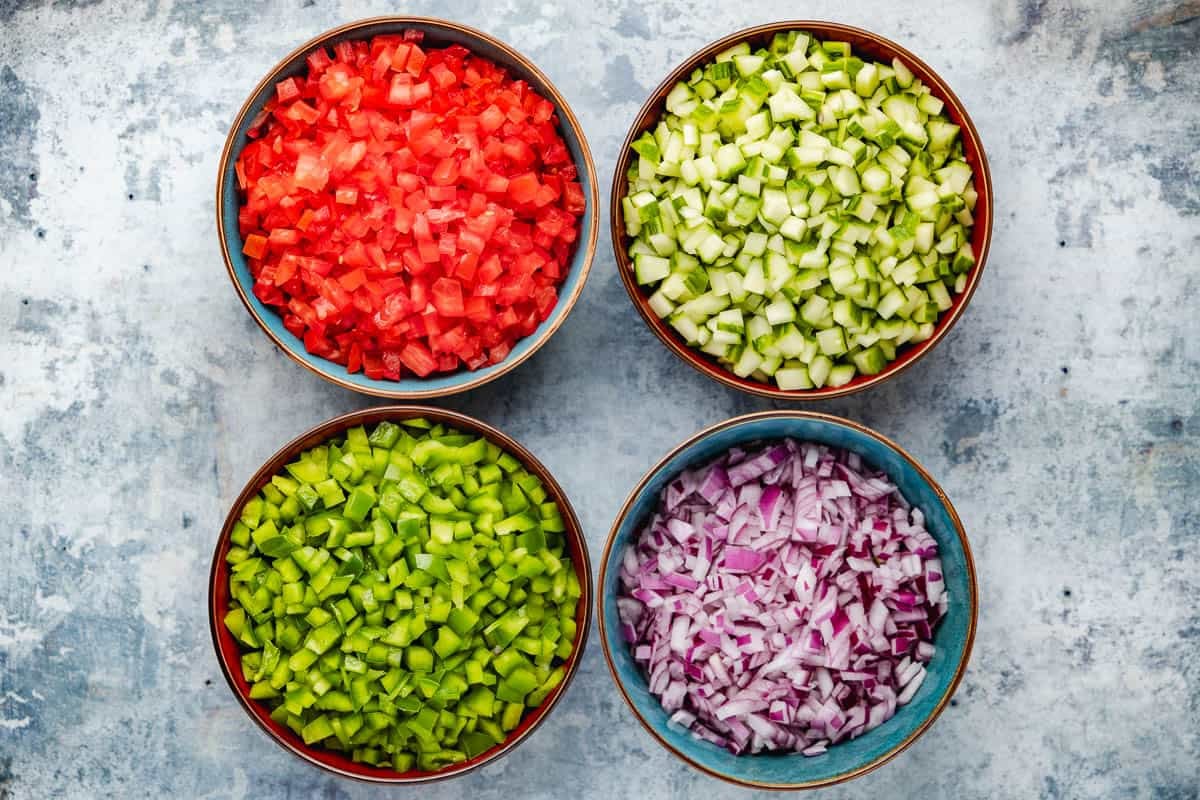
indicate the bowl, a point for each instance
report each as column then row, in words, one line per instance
column 229, row 652
column 438, row 33
column 952, row 639
column 865, row 44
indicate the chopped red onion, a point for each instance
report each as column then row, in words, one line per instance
column 782, row 598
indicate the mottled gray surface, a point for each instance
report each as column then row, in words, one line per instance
column 1061, row 415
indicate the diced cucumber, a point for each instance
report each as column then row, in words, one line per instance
column 650, row 269
column 791, row 378
column 799, row 213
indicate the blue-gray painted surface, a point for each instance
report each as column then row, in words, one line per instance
column 1061, row 415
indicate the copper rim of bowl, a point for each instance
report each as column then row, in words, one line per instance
column 324, row 431
column 971, row 580
column 567, row 117
column 652, row 109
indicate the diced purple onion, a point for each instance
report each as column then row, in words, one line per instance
column 782, row 598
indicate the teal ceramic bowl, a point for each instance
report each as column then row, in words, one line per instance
column 952, row 638
column 438, row 33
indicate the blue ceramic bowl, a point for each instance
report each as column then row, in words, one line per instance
column 953, row 636
column 439, row 33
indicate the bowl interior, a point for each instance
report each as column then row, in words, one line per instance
column 438, row 34
column 867, row 45
column 229, row 652
column 952, row 638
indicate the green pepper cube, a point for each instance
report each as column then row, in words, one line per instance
column 285, row 485
column 481, row 700
column 359, row 504
column 439, row 609
column 411, row 487
column 308, row 471
column 459, row 571
column 462, row 620
column 317, row 730
column 432, row 565
column 490, row 473
column 330, row 492
column 501, row 632
column 476, row 742
column 302, row 659
column 386, row 434
column 240, row 534
column 447, row 642
column 252, row 512
column 418, row 659
column 474, row 671
column 321, row 639
column 235, row 621
column 532, row 540
column 530, row 566
column 441, row 530
column 522, row 680
column 517, row 522
column 508, row 661
column 356, row 439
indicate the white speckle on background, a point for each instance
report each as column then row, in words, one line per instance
column 15, row 633
column 224, row 38
column 54, row 602
column 159, row 578
column 1154, row 77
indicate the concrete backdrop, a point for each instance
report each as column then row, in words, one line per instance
column 1061, row 415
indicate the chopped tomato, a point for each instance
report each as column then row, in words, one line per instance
column 447, row 297
column 524, row 188
column 255, row 245
column 408, row 210
column 417, row 357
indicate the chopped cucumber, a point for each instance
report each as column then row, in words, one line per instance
column 800, row 214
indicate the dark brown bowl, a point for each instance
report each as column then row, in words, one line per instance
column 439, row 33
column 864, row 43
column 229, row 652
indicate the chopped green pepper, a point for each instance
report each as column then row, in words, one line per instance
column 402, row 594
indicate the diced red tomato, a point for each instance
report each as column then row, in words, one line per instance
column 255, row 245
column 524, row 188
column 417, row 357
column 287, row 90
column 448, row 297
column 408, row 210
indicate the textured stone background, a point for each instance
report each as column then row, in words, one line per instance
column 1061, row 415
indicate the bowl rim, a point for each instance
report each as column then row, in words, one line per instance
column 332, row 427
column 705, row 364
column 971, row 580
column 379, row 388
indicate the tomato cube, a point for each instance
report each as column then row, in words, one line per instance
column 523, row 188
column 255, row 245
column 287, row 90
column 447, row 297
column 417, row 358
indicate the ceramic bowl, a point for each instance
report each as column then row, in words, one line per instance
column 229, row 652
column 438, row 33
column 952, row 639
column 866, row 45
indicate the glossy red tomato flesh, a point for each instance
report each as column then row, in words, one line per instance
column 408, row 210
